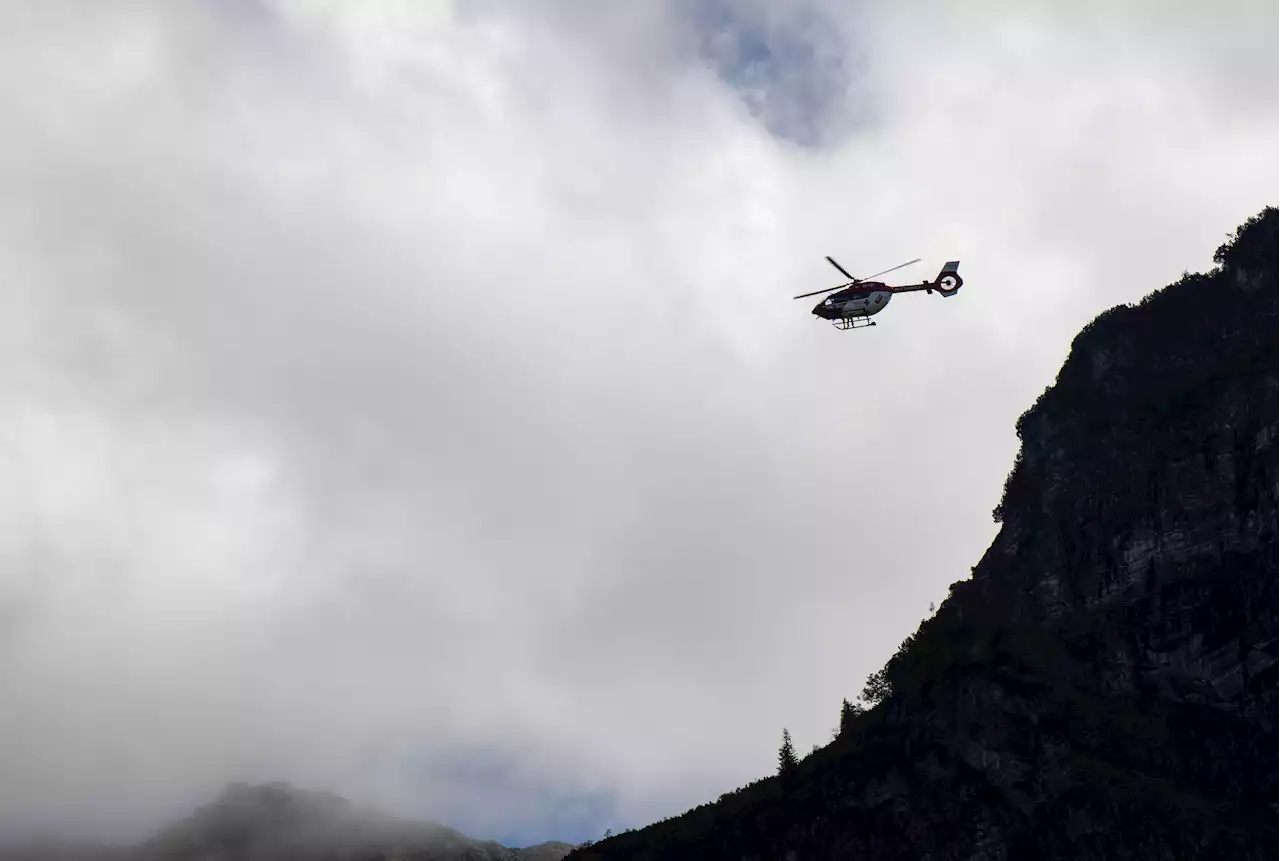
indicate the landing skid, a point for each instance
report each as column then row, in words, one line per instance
column 845, row 323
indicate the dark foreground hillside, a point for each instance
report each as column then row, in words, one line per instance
column 1104, row 686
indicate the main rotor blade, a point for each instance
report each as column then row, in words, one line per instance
column 841, row 268
column 816, row 292
column 887, row 271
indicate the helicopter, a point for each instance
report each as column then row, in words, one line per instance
column 859, row 298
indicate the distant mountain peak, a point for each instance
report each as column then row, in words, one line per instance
column 281, row 822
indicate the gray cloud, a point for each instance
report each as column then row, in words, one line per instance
column 794, row 66
column 395, row 389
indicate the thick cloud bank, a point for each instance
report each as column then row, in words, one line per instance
column 406, row 399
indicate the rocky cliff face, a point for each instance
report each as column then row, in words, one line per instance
column 1105, row 685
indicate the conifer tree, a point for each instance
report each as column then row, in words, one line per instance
column 877, row 688
column 786, row 754
column 848, row 712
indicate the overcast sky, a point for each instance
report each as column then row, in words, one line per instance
column 406, row 399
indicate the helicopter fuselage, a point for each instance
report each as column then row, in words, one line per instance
column 851, row 305
column 861, row 301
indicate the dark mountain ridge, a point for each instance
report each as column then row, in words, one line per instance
column 1104, row 686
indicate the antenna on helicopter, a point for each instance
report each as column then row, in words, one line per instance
column 853, row 280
